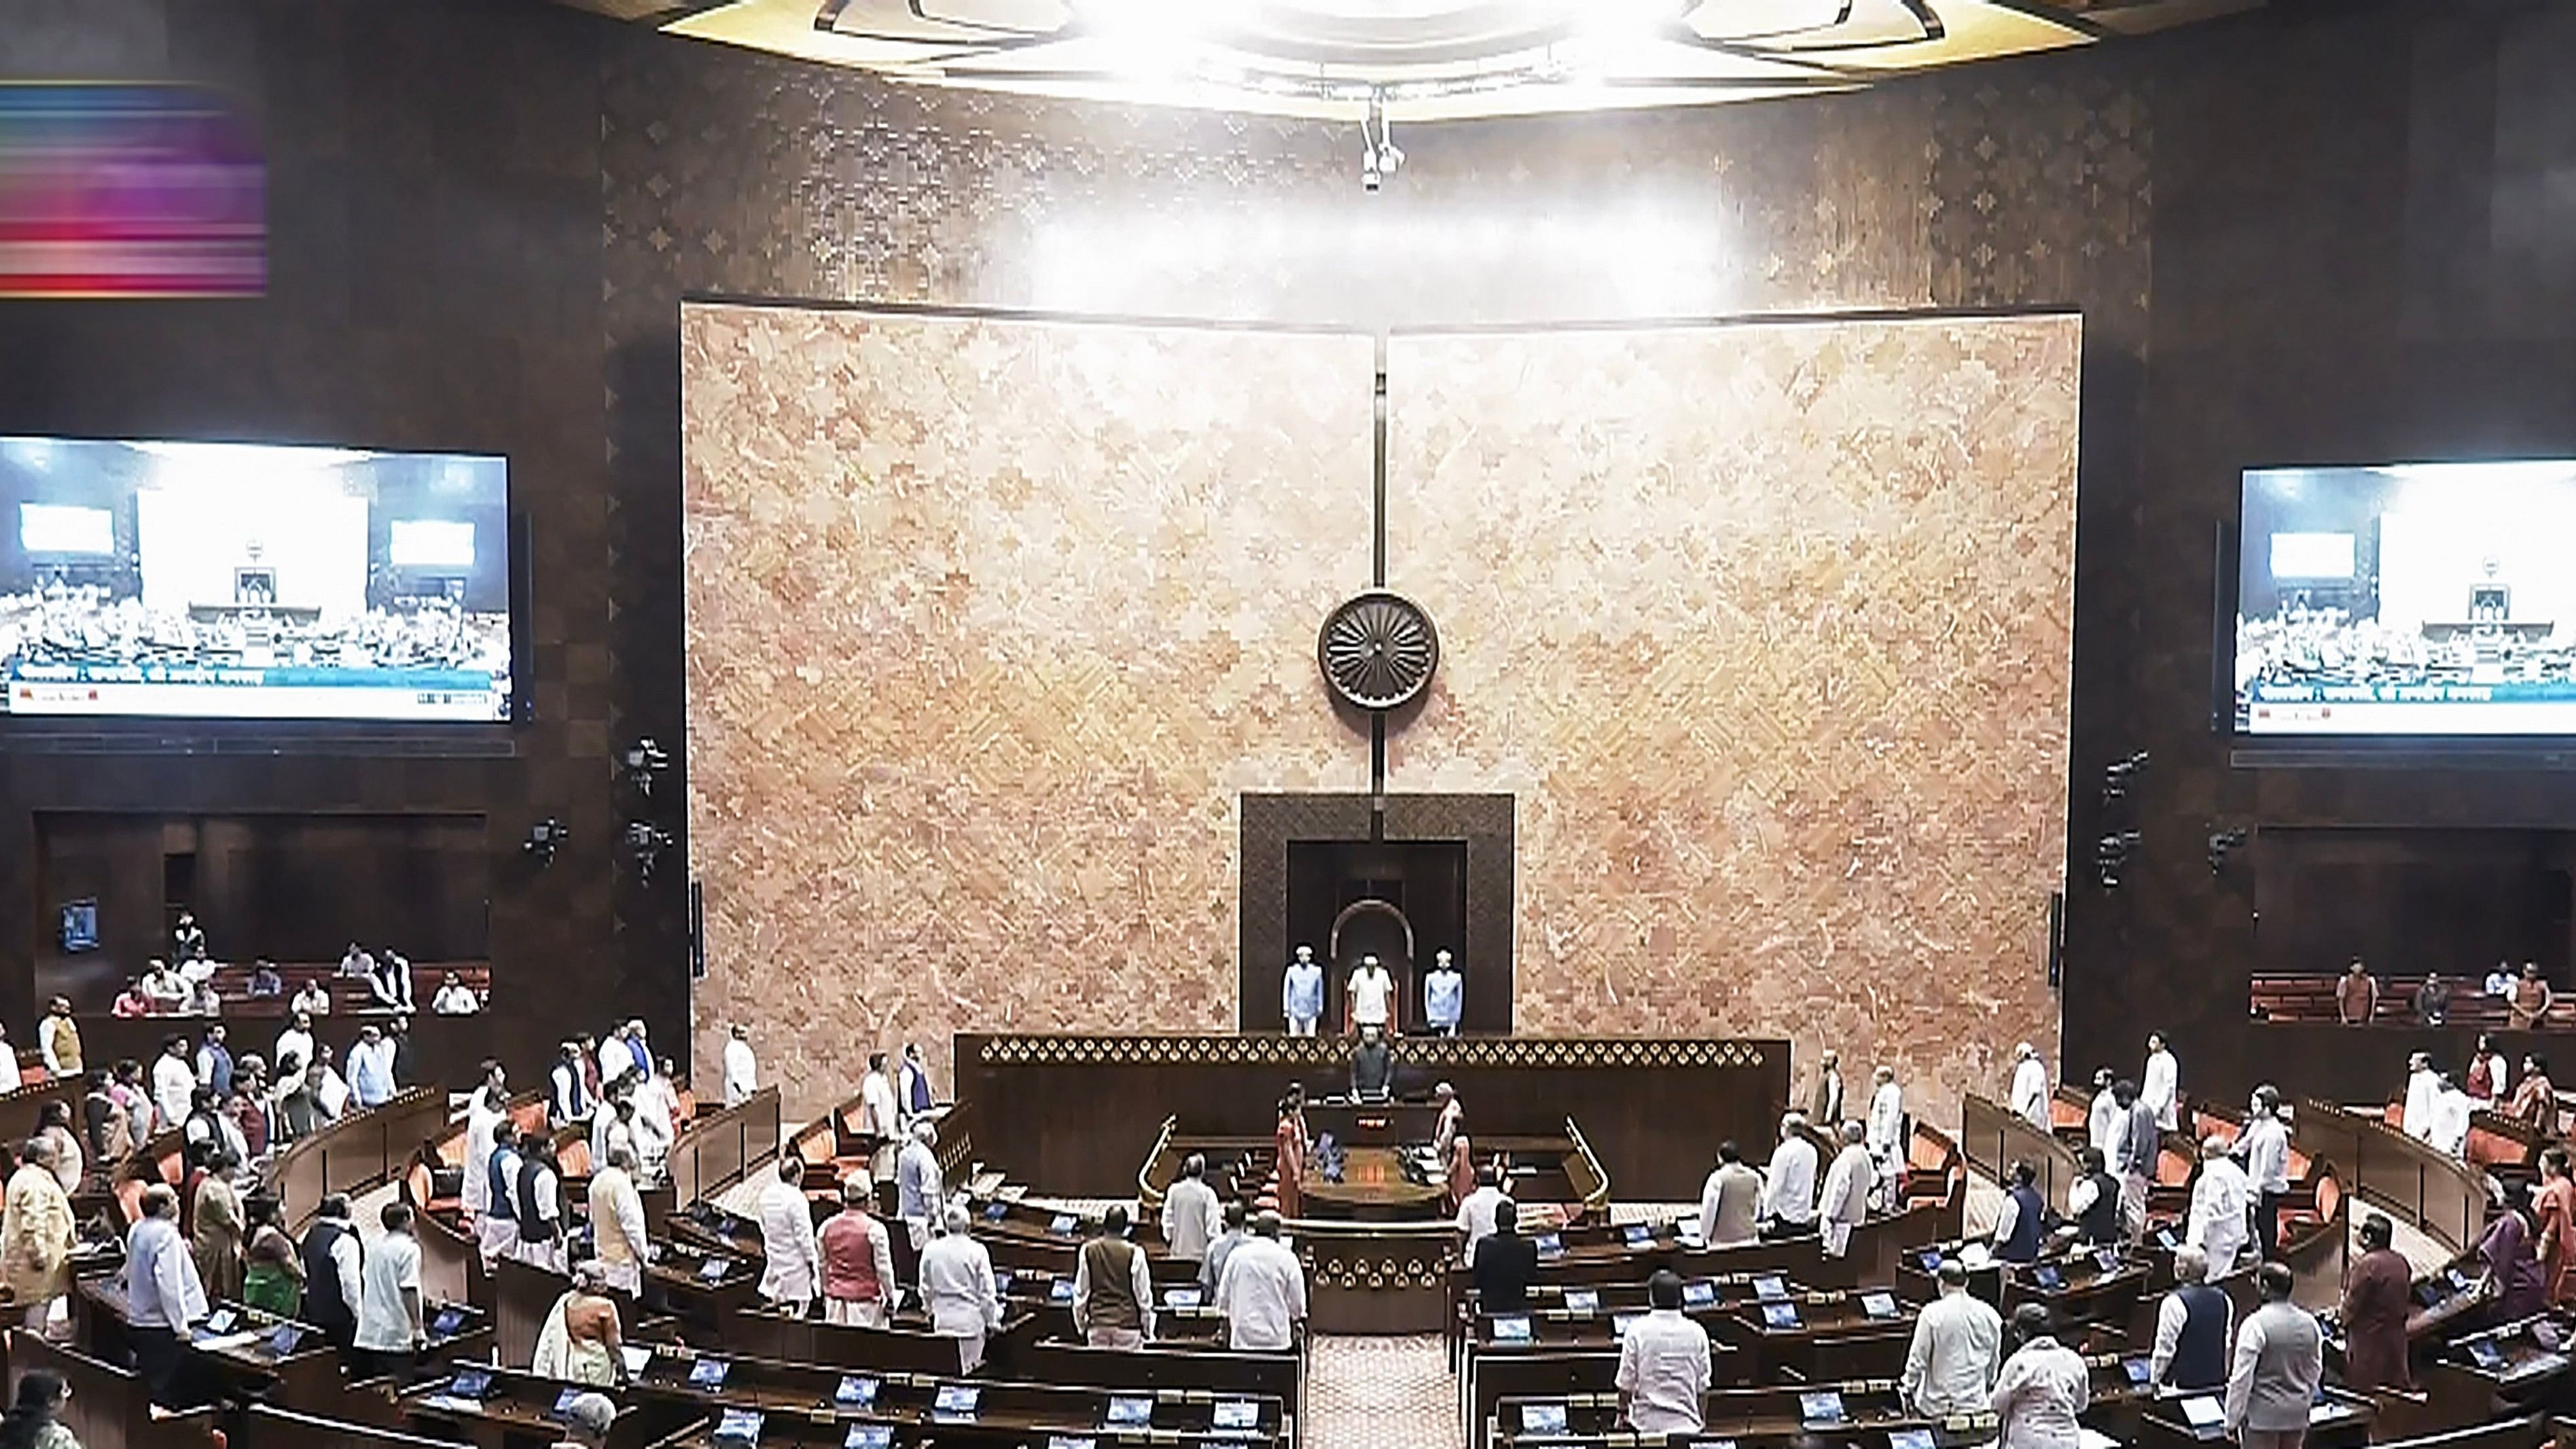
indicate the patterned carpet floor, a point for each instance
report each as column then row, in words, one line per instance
column 1381, row 1393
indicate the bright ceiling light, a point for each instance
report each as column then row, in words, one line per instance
column 1424, row 59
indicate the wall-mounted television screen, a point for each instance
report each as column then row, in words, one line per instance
column 2413, row 599
column 253, row 581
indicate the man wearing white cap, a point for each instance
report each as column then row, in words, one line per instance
column 1444, row 1129
column 2030, row 1087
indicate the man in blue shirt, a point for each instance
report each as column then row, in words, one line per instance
column 1301, row 997
column 1444, row 994
column 371, row 1068
column 163, row 1293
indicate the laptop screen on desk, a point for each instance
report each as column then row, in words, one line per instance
column 1699, row 1293
column 1542, row 1418
column 1582, row 1300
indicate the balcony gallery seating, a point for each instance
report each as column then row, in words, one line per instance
column 2311, row 997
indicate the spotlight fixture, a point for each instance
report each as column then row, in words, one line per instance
column 2111, row 856
column 2221, row 844
column 644, row 760
column 1380, row 157
column 544, row 839
column 645, row 842
column 2119, row 775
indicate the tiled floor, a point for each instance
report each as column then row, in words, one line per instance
column 1381, row 1393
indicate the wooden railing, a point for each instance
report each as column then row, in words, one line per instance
column 717, row 1151
column 2442, row 1195
column 360, row 1151
column 1994, row 1137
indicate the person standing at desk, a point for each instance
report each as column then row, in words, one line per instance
column 1444, row 996
column 2266, row 1146
column 2160, row 1088
column 1730, row 1202
column 1845, row 1204
column 1444, row 1128
column 2280, row 1360
column 793, row 1275
column 1372, row 1066
column 36, row 1237
column 1825, row 1099
column 1191, row 1217
column 1789, row 1198
column 957, row 1288
column 1288, row 1141
column 391, row 1329
column 2553, row 1211
column 858, row 1261
column 1113, row 1294
column 1958, row 1346
column 879, row 1118
column 1504, row 1265
column 2030, row 1086
column 1369, row 998
column 1663, row 1363
column 2192, row 1324
column 2219, row 1203
column 2374, row 1312
column 162, row 1292
column 2040, row 1389
column 1301, row 993
column 58, row 1038
column 918, row 1192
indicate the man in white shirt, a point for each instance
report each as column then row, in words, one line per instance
column 454, row 998
column 2161, row 1086
column 1192, row 1217
column 312, row 999
column 1663, row 1363
column 1958, row 1345
column 917, row 1187
column 1301, row 993
column 1789, row 1198
column 163, row 1293
column 2499, row 982
column 1369, row 999
column 1262, row 1293
column 1730, row 1201
column 957, row 1289
column 1845, row 1204
column 2220, row 1200
column 296, row 1041
column 878, row 1117
column 2102, row 1120
column 163, row 988
column 2415, row 1119
column 620, row 1240
column 616, row 1059
column 1886, row 1132
column 793, row 1278
column 2030, row 1086
column 391, row 1330
column 741, row 1069
column 2451, row 1112
column 174, row 1081
column 2265, row 1145
column 1475, row 1220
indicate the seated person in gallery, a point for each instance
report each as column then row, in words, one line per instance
column 355, row 961
column 1372, row 1066
column 389, row 980
column 312, row 998
column 2500, row 980
column 454, row 998
column 198, row 972
column 131, row 1001
column 2531, row 999
column 2433, row 1000
column 264, row 980
column 187, row 942
column 162, row 985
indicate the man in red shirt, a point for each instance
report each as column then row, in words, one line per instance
column 858, row 1261
column 2356, row 995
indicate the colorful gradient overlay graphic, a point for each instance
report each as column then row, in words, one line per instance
column 113, row 190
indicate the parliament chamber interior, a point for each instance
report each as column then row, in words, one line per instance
column 1312, row 724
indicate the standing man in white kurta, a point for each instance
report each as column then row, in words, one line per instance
column 2030, row 1086
column 2161, row 1087
column 1846, row 1201
column 1369, row 1000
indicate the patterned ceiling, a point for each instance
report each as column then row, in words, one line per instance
column 1418, row 59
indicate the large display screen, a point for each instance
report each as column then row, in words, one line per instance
column 253, row 581
column 2410, row 599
